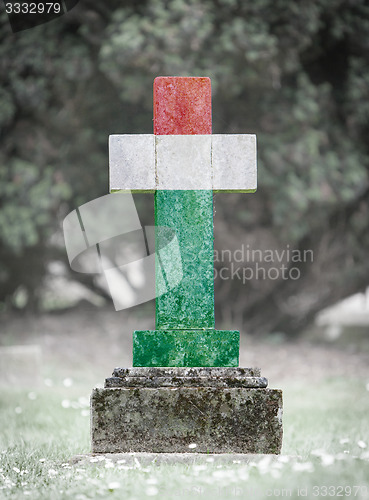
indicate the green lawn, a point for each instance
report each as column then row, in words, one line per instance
column 326, row 426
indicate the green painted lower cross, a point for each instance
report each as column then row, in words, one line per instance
column 183, row 164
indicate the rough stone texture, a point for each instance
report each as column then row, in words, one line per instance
column 190, row 377
column 251, row 382
column 182, row 105
column 196, row 371
column 185, row 347
column 168, row 420
column 132, row 162
column 191, row 304
column 145, row 162
column 234, row 162
column 183, row 162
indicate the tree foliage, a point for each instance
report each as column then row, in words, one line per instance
column 294, row 73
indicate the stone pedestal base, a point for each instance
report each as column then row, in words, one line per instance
column 166, row 410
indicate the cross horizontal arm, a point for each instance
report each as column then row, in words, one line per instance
column 218, row 162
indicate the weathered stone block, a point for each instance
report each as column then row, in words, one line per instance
column 168, row 419
column 186, row 376
column 183, row 162
column 234, row 162
column 209, row 372
column 182, row 105
column 191, row 303
column 132, row 162
column 182, row 348
column 147, row 162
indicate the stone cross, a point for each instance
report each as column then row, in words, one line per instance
column 183, row 163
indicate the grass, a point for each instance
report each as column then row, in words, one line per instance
column 325, row 451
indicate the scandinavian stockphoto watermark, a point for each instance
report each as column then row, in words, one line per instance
column 246, row 263
column 134, row 263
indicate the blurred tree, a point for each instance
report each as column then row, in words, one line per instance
column 296, row 74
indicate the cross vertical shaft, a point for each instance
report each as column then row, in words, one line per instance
column 182, row 106
column 185, row 332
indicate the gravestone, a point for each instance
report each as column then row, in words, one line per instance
column 185, row 391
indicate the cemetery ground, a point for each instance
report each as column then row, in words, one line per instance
column 43, row 426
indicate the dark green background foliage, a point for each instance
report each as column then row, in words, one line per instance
column 294, row 73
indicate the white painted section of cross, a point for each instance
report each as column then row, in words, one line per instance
column 147, row 162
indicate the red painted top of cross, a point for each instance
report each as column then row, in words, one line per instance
column 182, row 153
column 182, row 105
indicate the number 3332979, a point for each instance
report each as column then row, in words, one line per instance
column 33, row 8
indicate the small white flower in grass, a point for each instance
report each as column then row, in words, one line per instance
column 52, row 472
column 341, row 456
column 26, row 492
column 109, row 465
column 121, row 461
column 24, row 483
column 210, row 459
column 236, row 461
column 18, row 410
column 32, row 396
column 42, row 460
column 199, row 467
column 277, row 465
column 83, row 401
column 114, row 485
column 361, row 444
column 94, row 459
column 318, row 453
column 276, row 474
column 284, row 459
column 152, row 480
column 65, row 403
column 243, row 473
column 327, row 460
column 67, row 382
column 264, row 464
column 192, row 446
column 344, row 440
column 15, row 469
column 303, row 467
column 152, row 491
